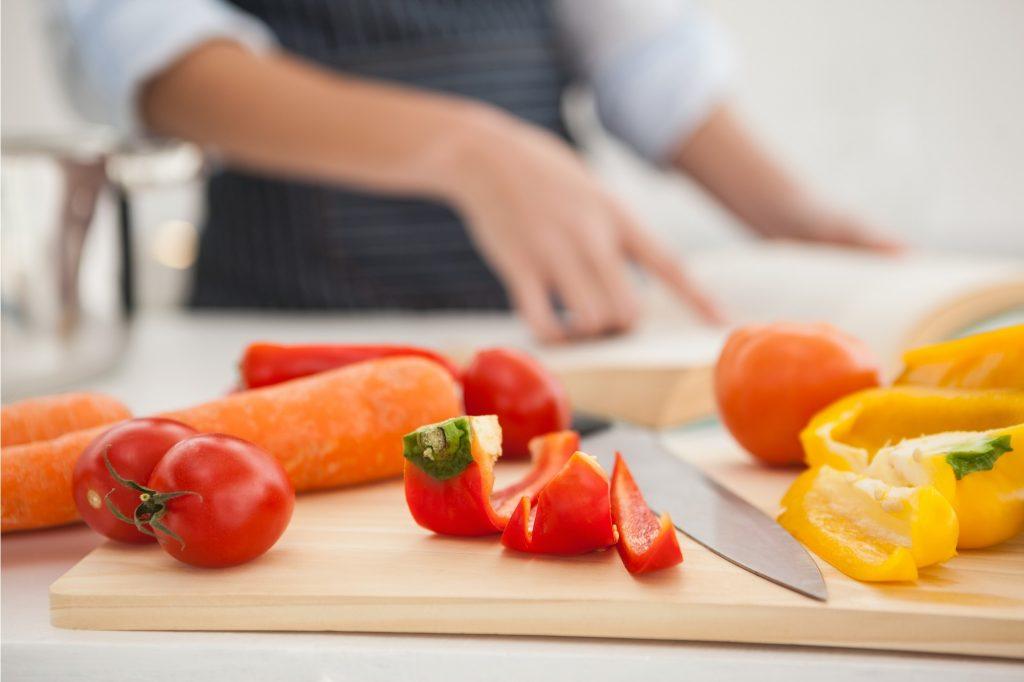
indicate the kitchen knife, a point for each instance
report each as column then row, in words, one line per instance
column 707, row 512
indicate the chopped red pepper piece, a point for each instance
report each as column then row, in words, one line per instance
column 449, row 474
column 549, row 452
column 264, row 364
column 646, row 542
column 573, row 513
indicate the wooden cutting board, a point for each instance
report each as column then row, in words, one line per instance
column 354, row 561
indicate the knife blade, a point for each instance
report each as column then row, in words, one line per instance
column 707, row 512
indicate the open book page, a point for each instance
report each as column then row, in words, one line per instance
column 873, row 297
column 879, row 299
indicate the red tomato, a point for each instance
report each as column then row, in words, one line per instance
column 528, row 400
column 770, row 380
column 133, row 447
column 241, row 502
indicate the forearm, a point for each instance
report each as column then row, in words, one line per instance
column 540, row 220
column 279, row 114
column 727, row 161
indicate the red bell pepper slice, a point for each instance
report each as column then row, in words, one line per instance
column 573, row 513
column 264, row 364
column 449, row 474
column 646, row 542
column 549, row 453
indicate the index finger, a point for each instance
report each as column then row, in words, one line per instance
column 529, row 296
column 651, row 254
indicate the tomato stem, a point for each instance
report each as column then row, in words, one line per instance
column 152, row 506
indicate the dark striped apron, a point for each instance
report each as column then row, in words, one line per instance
column 282, row 244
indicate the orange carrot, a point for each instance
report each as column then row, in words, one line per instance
column 44, row 418
column 35, row 484
column 340, row 427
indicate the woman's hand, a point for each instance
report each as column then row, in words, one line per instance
column 538, row 217
column 551, row 232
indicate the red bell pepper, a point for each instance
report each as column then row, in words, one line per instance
column 264, row 364
column 646, row 542
column 573, row 513
column 449, row 474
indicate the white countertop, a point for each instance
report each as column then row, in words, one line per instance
column 175, row 359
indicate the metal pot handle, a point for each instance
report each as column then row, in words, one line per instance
column 83, row 182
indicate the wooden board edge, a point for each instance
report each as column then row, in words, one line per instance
column 671, row 395
column 691, row 397
column 821, row 627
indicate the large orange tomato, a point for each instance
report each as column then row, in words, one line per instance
column 771, row 379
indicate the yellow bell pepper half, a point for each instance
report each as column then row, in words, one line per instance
column 992, row 359
column 968, row 445
column 848, row 433
column 868, row 529
column 981, row 473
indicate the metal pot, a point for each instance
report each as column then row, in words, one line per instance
column 66, row 275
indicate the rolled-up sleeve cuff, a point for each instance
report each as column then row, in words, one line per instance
column 655, row 94
column 124, row 44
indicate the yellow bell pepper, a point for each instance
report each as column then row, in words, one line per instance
column 867, row 529
column 981, row 473
column 992, row 359
column 969, row 445
column 848, row 433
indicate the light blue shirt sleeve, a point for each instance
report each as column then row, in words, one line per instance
column 658, row 68
column 110, row 48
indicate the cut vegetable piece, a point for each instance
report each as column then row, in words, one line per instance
column 444, row 450
column 549, row 453
column 646, row 542
column 518, row 534
column 992, row 359
column 573, row 513
column 847, row 434
column 449, row 474
column 869, row 530
column 980, row 472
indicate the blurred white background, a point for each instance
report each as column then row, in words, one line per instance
column 908, row 112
